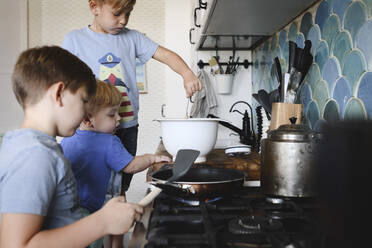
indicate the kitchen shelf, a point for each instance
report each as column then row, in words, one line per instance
column 226, row 42
column 250, row 23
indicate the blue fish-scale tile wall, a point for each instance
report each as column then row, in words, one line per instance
column 339, row 82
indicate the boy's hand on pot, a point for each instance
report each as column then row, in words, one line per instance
column 191, row 84
column 119, row 216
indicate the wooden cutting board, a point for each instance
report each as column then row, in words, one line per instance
column 281, row 112
column 250, row 164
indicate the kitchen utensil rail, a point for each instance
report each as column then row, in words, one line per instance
column 245, row 64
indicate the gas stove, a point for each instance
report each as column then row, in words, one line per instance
column 246, row 218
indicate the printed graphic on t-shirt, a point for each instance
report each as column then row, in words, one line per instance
column 110, row 71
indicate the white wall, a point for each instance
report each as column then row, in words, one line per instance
column 13, row 39
column 177, row 24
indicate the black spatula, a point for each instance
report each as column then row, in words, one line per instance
column 185, row 158
column 265, row 100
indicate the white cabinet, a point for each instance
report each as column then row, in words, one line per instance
column 199, row 10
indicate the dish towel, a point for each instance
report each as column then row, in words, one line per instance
column 205, row 100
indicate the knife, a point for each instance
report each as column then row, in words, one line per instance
column 278, row 74
column 292, row 55
column 299, row 58
column 291, row 69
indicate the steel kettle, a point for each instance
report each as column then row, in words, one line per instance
column 288, row 161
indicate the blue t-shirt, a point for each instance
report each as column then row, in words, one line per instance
column 35, row 178
column 93, row 155
column 113, row 59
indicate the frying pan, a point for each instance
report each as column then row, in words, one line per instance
column 185, row 158
column 199, row 182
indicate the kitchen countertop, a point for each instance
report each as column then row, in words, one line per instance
column 250, row 164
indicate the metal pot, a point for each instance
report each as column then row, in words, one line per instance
column 288, row 161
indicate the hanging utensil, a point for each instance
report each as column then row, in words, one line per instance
column 278, row 68
column 235, row 66
column 185, row 158
column 295, row 72
column 298, row 58
column 255, row 96
column 293, row 86
column 278, row 73
column 274, row 96
column 265, row 100
column 259, row 100
column 291, row 69
column 229, row 65
column 292, row 55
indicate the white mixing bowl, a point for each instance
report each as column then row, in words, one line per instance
column 193, row 133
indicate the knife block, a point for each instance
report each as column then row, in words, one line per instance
column 281, row 112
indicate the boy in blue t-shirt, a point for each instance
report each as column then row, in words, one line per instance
column 94, row 151
column 110, row 50
column 38, row 193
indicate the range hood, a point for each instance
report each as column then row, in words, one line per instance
column 244, row 24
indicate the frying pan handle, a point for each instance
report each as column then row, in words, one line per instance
column 150, row 197
column 179, row 188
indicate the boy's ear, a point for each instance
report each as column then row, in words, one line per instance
column 57, row 92
column 93, row 6
column 87, row 120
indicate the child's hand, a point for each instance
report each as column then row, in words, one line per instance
column 161, row 158
column 118, row 216
column 191, row 84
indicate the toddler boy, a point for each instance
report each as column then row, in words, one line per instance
column 94, row 151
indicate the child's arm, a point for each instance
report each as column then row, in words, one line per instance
column 140, row 163
column 190, row 82
column 23, row 230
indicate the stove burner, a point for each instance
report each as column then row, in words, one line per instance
column 274, row 200
column 253, row 224
column 196, row 202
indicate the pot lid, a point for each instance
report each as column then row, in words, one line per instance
column 291, row 132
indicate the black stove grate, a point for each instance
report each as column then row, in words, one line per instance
column 291, row 223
